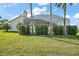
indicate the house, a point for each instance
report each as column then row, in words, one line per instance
column 42, row 19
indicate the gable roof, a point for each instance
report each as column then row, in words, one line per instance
column 42, row 17
column 15, row 18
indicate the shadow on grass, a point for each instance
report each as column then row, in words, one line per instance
column 63, row 37
column 75, row 37
column 10, row 31
column 67, row 42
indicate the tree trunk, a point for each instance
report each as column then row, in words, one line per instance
column 51, row 27
column 31, row 18
column 65, row 33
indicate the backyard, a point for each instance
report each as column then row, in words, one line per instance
column 13, row 44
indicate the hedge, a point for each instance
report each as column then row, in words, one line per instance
column 41, row 30
column 58, row 30
column 71, row 30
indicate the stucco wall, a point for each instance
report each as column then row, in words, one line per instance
column 15, row 22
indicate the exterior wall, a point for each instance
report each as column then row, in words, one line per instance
column 23, row 19
column 15, row 22
column 60, row 21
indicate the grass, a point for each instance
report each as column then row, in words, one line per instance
column 77, row 33
column 13, row 44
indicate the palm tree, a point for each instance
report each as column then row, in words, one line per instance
column 1, row 20
column 31, row 18
column 5, row 20
column 51, row 27
column 63, row 5
column 0, row 17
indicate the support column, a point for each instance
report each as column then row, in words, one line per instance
column 48, row 29
column 34, row 29
column 30, row 29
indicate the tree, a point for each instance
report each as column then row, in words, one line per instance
column 5, row 20
column 63, row 5
column 1, row 20
column 6, row 26
column 0, row 17
column 51, row 27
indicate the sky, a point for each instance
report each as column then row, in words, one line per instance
column 12, row 10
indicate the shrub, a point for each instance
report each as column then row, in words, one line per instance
column 27, row 29
column 6, row 27
column 23, row 29
column 18, row 25
column 38, row 30
column 58, row 30
column 1, row 27
column 45, row 29
column 71, row 30
column 41, row 30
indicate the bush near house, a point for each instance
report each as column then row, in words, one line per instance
column 23, row 29
column 58, row 30
column 6, row 27
column 27, row 29
column 41, row 30
column 18, row 25
column 1, row 27
column 71, row 30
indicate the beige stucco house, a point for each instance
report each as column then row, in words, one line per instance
column 42, row 19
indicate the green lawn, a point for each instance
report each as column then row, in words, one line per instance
column 78, row 33
column 13, row 44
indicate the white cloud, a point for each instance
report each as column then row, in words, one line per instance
column 76, row 16
column 67, row 16
column 37, row 11
column 42, row 4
